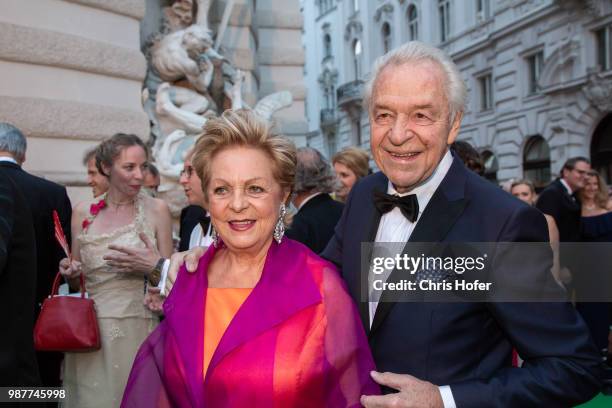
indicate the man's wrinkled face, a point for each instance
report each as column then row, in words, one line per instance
column 409, row 121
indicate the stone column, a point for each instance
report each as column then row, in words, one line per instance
column 71, row 73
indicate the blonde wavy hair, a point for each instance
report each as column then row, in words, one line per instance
column 243, row 127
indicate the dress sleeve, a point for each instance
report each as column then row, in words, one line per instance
column 346, row 346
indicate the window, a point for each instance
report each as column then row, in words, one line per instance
column 601, row 148
column 444, row 11
column 331, row 144
column 327, row 45
column 355, row 5
column 356, row 125
column 413, row 23
column 604, row 47
column 486, row 92
column 534, row 65
column 482, row 10
column 536, row 161
column 490, row 165
column 386, row 37
column 357, row 58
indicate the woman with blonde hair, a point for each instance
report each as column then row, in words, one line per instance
column 123, row 217
column 350, row 164
column 263, row 321
column 596, row 226
column 525, row 191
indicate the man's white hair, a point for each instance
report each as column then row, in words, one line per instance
column 416, row 51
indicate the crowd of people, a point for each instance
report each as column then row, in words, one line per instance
column 260, row 301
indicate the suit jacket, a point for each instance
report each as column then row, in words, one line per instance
column 314, row 223
column 17, row 288
column 554, row 200
column 43, row 196
column 191, row 216
column 469, row 345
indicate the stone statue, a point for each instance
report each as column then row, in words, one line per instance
column 189, row 81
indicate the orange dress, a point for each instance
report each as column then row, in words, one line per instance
column 222, row 304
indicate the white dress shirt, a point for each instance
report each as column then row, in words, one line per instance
column 8, row 159
column 394, row 227
column 196, row 239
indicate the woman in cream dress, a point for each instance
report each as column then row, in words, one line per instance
column 124, row 217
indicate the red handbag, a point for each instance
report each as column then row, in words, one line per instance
column 67, row 323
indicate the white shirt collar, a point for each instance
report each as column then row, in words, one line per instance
column 307, row 199
column 426, row 190
column 8, row 159
column 567, row 187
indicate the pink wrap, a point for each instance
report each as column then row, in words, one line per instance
column 296, row 341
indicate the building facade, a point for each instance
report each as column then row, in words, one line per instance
column 538, row 72
column 72, row 72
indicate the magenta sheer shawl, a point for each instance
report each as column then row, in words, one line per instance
column 296, row 341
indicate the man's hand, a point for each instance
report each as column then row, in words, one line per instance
column 130, row 259
column 413, row 393
column 154, row 301
column 190, row 258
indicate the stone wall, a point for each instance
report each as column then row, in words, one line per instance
column 71, row 75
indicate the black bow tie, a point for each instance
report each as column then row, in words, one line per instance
column 408, row 205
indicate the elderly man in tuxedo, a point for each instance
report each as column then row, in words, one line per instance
column 18, row 365
column 450, row 354
column 42, row 197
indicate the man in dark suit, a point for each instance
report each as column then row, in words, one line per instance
column 17, row 288
column 42, row 197
column 559, row 200
column 318, row 213
column 450, row 354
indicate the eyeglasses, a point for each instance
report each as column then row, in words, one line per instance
column 187, row 171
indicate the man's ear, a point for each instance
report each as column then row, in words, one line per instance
column 23, row 159
column 454, row 131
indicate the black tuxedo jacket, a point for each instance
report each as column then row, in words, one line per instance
column 43, row 196
column 191, row 216
column 314, row 223
column 468, row 345
column 554, row 200
column 17, row 288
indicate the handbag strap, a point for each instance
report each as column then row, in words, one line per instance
column 56, row 282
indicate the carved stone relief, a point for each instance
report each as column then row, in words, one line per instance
column 188, row 81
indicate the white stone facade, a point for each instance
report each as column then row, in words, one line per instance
column 72, row 72
column 538, row 73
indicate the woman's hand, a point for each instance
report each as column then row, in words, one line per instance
column 190, row 258
column 154, row 301
column 70, row 269
column 132, row 259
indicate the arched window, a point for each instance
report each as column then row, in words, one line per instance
column 601, row 148
column 536, row 161
column 491, row 165
column 327, row 47
column 413, row 23
column 357, row 58
column 386, row 37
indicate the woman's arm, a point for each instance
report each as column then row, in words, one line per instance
column 71, row 271
column 163, row 228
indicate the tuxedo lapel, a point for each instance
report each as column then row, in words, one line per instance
column 442, row 211
column 368, row 235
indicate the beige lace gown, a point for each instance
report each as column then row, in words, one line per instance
column 97, row 379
